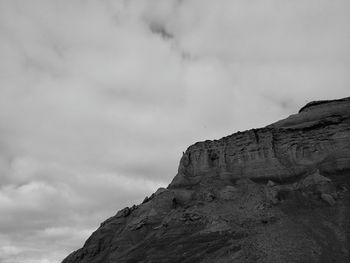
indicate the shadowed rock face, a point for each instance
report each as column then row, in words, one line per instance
column 275, row 194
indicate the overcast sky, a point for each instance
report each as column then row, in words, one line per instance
column 98, row 99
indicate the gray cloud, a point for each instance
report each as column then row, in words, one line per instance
column 98, row 99
column 160, row 30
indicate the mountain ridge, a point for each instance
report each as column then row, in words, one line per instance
column 263, row 195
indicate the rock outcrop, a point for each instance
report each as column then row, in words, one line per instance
column 275, row 194
column 316, row 138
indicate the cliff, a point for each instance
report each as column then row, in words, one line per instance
column 274, row 194
column 316, row 138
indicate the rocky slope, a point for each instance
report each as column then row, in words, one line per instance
column 275, row 194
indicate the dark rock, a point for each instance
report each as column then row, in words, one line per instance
column 210, row 197
column 228, row 192
column 160, row 191
column 270, row 183
column 254, row 196
column 328, row 198
column 124, row 212
column 174, row 202
column 314, row 179
column 145, row 200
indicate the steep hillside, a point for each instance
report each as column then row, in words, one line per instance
column 275, row 194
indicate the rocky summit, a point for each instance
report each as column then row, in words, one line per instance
column 275, row 194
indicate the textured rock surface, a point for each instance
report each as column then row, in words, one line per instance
column 317, row 137
column 275, row 194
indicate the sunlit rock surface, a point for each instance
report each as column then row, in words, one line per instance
column 275, row 194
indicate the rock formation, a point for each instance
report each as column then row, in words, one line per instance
column 275, row 194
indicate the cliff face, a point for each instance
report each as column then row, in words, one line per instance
column 275, row 194
column 316, row 138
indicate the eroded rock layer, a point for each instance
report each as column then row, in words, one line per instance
column 317, row 137
column 275, row 194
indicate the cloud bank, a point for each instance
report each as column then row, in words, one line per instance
column 98, row 99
